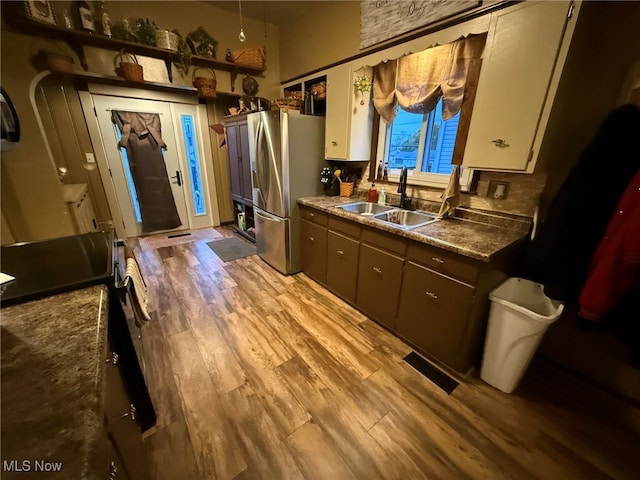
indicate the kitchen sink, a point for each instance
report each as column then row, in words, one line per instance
column 406, row 219
column 365, row 208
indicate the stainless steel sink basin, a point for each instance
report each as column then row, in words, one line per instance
column 406, row 219
column 365, row 208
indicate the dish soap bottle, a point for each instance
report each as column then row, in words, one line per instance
column 373, row 193
column 382, row 198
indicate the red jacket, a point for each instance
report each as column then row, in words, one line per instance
column 615, row 267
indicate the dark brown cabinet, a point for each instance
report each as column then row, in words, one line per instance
column 128, row 456
column 240, row 174
column 433, row 313
column 342, row 265
column 239, row 161
column 379, row 278
column 434, row 299
column 314, row 250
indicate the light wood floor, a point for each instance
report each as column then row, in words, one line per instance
column 255, row 375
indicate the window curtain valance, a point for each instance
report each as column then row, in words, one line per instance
column 416, row 82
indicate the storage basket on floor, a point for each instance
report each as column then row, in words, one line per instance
column 254, row 57
column 346, row 189
column 206, row 86
column 131, row 71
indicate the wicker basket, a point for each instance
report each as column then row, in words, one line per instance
column 206, row 86
column 55, row 62
column 253, row 57
column 131, row 71
column 53, row 58
column 286, row 104
column 346, row 189
column 319, row 90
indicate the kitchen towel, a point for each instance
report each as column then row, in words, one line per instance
column 138, row 292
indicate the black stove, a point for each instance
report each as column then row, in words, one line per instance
column 57, row 265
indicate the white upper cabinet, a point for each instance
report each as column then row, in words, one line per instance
column 349, row 120
column 525, row 51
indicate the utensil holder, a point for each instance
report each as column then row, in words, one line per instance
column 346, row 189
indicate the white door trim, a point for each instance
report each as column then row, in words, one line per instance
column 213, row 216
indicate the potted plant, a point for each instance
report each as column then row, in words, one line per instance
column 183, row 62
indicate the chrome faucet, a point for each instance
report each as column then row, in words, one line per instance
column 405, row 202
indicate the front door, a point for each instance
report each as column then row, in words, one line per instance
column 126, row 194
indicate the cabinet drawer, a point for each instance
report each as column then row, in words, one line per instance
column 450, row 264
column 393, row 243
column 342, row 265
column 433, row 314
column 344, row 226
column 314, row 216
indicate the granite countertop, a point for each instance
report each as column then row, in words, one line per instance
column 472, row 233
column 53, row 382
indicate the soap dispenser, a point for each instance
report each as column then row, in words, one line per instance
column 373, row 193
column 382, row 198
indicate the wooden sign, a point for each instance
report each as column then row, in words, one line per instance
column 381, row 20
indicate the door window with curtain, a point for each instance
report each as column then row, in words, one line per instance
column 419, row 97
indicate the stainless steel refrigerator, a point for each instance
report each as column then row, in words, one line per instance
column 287, row 154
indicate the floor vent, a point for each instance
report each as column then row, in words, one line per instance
column 176, row 235
column 441, row 379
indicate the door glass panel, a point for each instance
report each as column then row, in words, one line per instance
column 191, row 148
column 127, row 172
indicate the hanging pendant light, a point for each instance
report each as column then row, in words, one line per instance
column 242, row 37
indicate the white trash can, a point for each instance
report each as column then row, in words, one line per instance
column 520, row 313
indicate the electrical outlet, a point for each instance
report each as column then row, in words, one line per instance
column 90, row 158
column 498, row 190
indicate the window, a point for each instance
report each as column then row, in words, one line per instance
column 127, row 172
column 422, row 143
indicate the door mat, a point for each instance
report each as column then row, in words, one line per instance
column 232, row 248
column 441, row 379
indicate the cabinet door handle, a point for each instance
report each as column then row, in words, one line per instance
column 131, row 413
column 377, row 269
column 334, row 143
column 311, row 239
column 339, row 252
column 311, row 214
column 113, row 471
column 498, row 142
column 432, row 295
column 437, row 259
column 114, row 358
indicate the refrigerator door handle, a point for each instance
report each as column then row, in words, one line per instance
column 259, row 167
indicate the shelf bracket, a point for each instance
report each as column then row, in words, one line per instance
column 167, row 62
column 78, row 49
column 234, row 74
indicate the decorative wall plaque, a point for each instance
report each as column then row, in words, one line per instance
column 381, row 20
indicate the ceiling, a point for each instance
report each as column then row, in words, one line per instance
column 276, row 12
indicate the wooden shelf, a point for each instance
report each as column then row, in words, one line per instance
column 78, row 39
column 90, row 77
column 233, row 68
